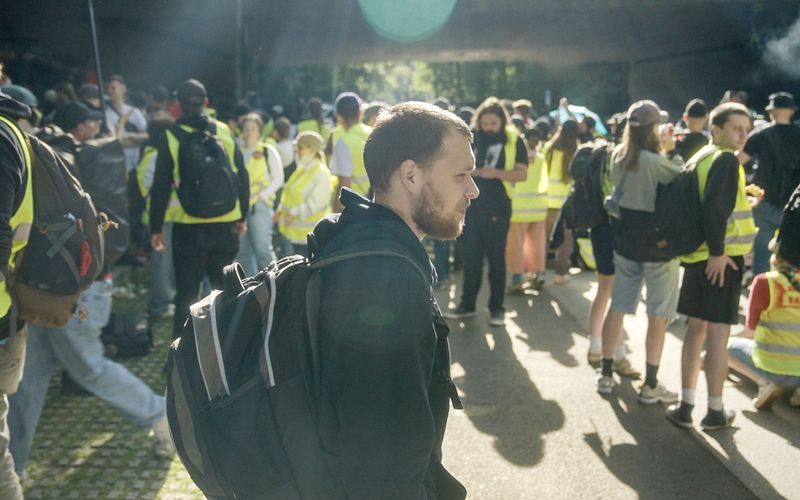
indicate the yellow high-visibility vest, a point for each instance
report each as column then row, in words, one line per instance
column 529, row 201
column 295, row 192
column 777, row 337
column 258, row 171
column 355, row 137
column 226, row 137
column 22, row 219
column 557, row 189
column 741, row 227
column 311, row 124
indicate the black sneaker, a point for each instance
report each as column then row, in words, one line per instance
column 680, row 414
column 717, row 419
column 459, row 313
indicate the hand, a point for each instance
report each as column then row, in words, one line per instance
column 157, row 242
column 715, row 269
column 288, row 218
column 241, row 228
column 485, row 173
column 276, row 217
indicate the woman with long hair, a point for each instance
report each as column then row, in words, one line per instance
column 558, row 153
column 639, row 165
column 315, row 121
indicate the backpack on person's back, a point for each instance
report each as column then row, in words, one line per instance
column 584, row 206
column 243, row 384
column 64, row 254
column 208, row 185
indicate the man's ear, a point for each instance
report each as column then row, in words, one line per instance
column 410, row 176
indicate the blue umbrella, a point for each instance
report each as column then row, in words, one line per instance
column 577, row 113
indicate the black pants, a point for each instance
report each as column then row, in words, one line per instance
column 199, row 250
column 484, row 237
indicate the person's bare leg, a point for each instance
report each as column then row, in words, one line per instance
column 597, row 313
column 735, row 364
column 690, row 353
column 716, row 364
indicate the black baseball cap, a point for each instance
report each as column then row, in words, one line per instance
column 781, row 100
column 191, row 92
column 70, row 115
column 696, row 109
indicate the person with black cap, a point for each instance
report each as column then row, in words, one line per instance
column 695, row 117
column 16, row 218
column 78, row 120
column 772, row 157
column 768, row 350
column 348, row 147
column 202, row 245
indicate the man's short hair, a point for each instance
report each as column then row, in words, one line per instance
column 348, row 105
column 408, row 131
column 722, row 113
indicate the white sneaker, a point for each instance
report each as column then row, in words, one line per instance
column 163, row 446
column 658, row 394
column 767, row 394
column 605, row 384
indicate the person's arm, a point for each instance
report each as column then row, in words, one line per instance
column 383, row 351
column 162, row 188
column 275, row 173
column 759, row 300
column 10, row 185
column 244, row 182
column 342, row 168
column 718, row 201
column 518, row 174
column 667, row 169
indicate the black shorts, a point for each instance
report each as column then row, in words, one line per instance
column 700, row 299
column 603, row 248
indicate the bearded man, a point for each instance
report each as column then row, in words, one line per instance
column 502, row 159
column 384, row 357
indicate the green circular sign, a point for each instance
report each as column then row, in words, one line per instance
column 407, row 21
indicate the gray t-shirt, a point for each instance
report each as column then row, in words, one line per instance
column 641, row 183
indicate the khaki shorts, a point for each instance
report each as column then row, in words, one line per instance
column 660, row 278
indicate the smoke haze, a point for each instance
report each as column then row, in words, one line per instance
column 783, row 54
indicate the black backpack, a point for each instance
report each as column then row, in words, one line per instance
column 583, row 208
column 243, row 384
column 208, row 186
column 100, row 164
column 678, row 225
column 64, row 254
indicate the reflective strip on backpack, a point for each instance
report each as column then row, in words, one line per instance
column 268, row 332
column 778, row 348
column 209, row 353
column 786, row 326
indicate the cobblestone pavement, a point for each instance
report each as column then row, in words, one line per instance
column 83, row 448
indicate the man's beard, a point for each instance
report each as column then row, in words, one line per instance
column 429, row 217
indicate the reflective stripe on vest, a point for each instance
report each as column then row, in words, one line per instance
column 587, row 252
column 355, row 137
column 258, row 172
column 229, row 143
column 557, row 189
column 777, row 336
column 22, row 219
column 530, row 199
column 740, row 231
column 145, row 173
column 295, row 193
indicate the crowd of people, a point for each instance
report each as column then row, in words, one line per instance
column 272, row 182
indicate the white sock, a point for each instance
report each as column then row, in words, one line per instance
column 715, row 403
column 596, row 343
column 687, row 396
column 620, row 353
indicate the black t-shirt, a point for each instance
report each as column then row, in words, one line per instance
column 690, row 144
column 490, row 152
column 775, row 150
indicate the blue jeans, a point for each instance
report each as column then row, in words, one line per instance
column 76, row 348
column 162, row 276
column 255, row 249
column 441, row 258
column 768, row 219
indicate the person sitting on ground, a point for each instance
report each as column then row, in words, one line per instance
column 768, row 351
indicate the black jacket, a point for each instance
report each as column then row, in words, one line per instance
column 385, row 361
column 13, row 179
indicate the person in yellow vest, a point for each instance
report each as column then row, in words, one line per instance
column 526, row 248
column 265, row 170
column 768, row 351
column 201, row 246
column 16, row 218
column 558, row 153
column 316, row 121
column 712, row 277
column 306, row 196
column 347, row 163
column 501, row 159
column 162, row 273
